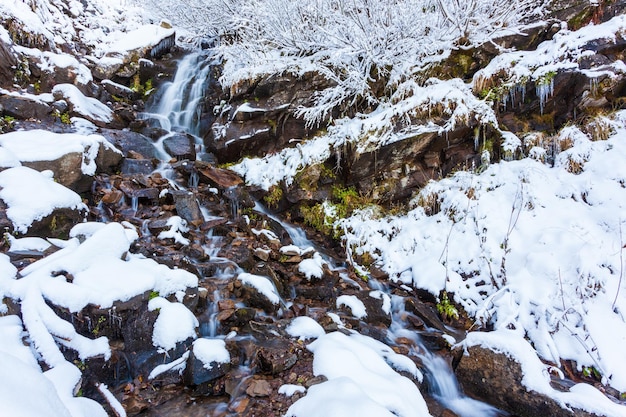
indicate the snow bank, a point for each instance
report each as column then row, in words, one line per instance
column 31, row 196
column 360, row 380
column 523, row 245
column 536, row 376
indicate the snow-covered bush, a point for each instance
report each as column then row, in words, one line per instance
column 366, row 47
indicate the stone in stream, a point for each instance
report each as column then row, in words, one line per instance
column 187, row 206
column 127, row 141
column 180, row 146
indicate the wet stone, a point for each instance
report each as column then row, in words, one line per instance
column 259, row 388
column 180, row 146
column 187, row 207
column 277, row 358
column 136, row 166
column 197, row 372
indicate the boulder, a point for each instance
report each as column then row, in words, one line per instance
column 128, row 141
column 25, row 107
column 261, row 116
column 496, row 378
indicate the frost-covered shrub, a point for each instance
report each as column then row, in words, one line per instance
column 367, row 47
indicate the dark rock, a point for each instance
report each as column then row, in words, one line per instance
column 221, row 178
column 126, row 141
column 197, row 372
column 374, row 308
column 187, row 207
column 136, row 166
column 278, row 357
column 57, row 224
column 22, row 107
column 119, row 90
column 180, row 146
column 269, row 124
column 8, row 61
column 496, row 379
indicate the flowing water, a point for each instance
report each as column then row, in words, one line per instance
column 178, row 110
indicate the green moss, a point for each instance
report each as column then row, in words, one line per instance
column 97, row 329
column 446, row 309
column 273, row 197
column 7, row 123
column 153, row 294
column 66, row 119
column 145, row 89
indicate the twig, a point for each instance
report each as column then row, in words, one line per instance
column 621, row 265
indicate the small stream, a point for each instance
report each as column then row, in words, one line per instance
column 178, row 110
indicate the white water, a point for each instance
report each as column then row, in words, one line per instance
column 179, row 105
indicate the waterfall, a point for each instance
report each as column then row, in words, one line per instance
column 444, row 388
column 179, row 106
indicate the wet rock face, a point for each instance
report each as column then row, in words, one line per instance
column 7, row 62
column 260, row 118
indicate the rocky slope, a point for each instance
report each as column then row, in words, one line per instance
column 238, row 272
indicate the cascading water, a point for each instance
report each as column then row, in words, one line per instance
column 179, row 106
column 179, row 111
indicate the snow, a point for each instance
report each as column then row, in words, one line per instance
column 175, row 323
column 88, row 107
column 289, row 390
column 177, row 225
column 305, row 328
column 8, row 159
column 42, row 145
column 355, row 305
column 211, row 352
column 144, row 36
column 27, row 244
column 31, row 196
column 535, row 373
column 523, row 245
column 176, row 365
column 20, row 383
column 312, row 267
column 262, row 284
column 360, row 381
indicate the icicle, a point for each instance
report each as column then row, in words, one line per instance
column 544, row 92
column 594, row 82
column 476, row 138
